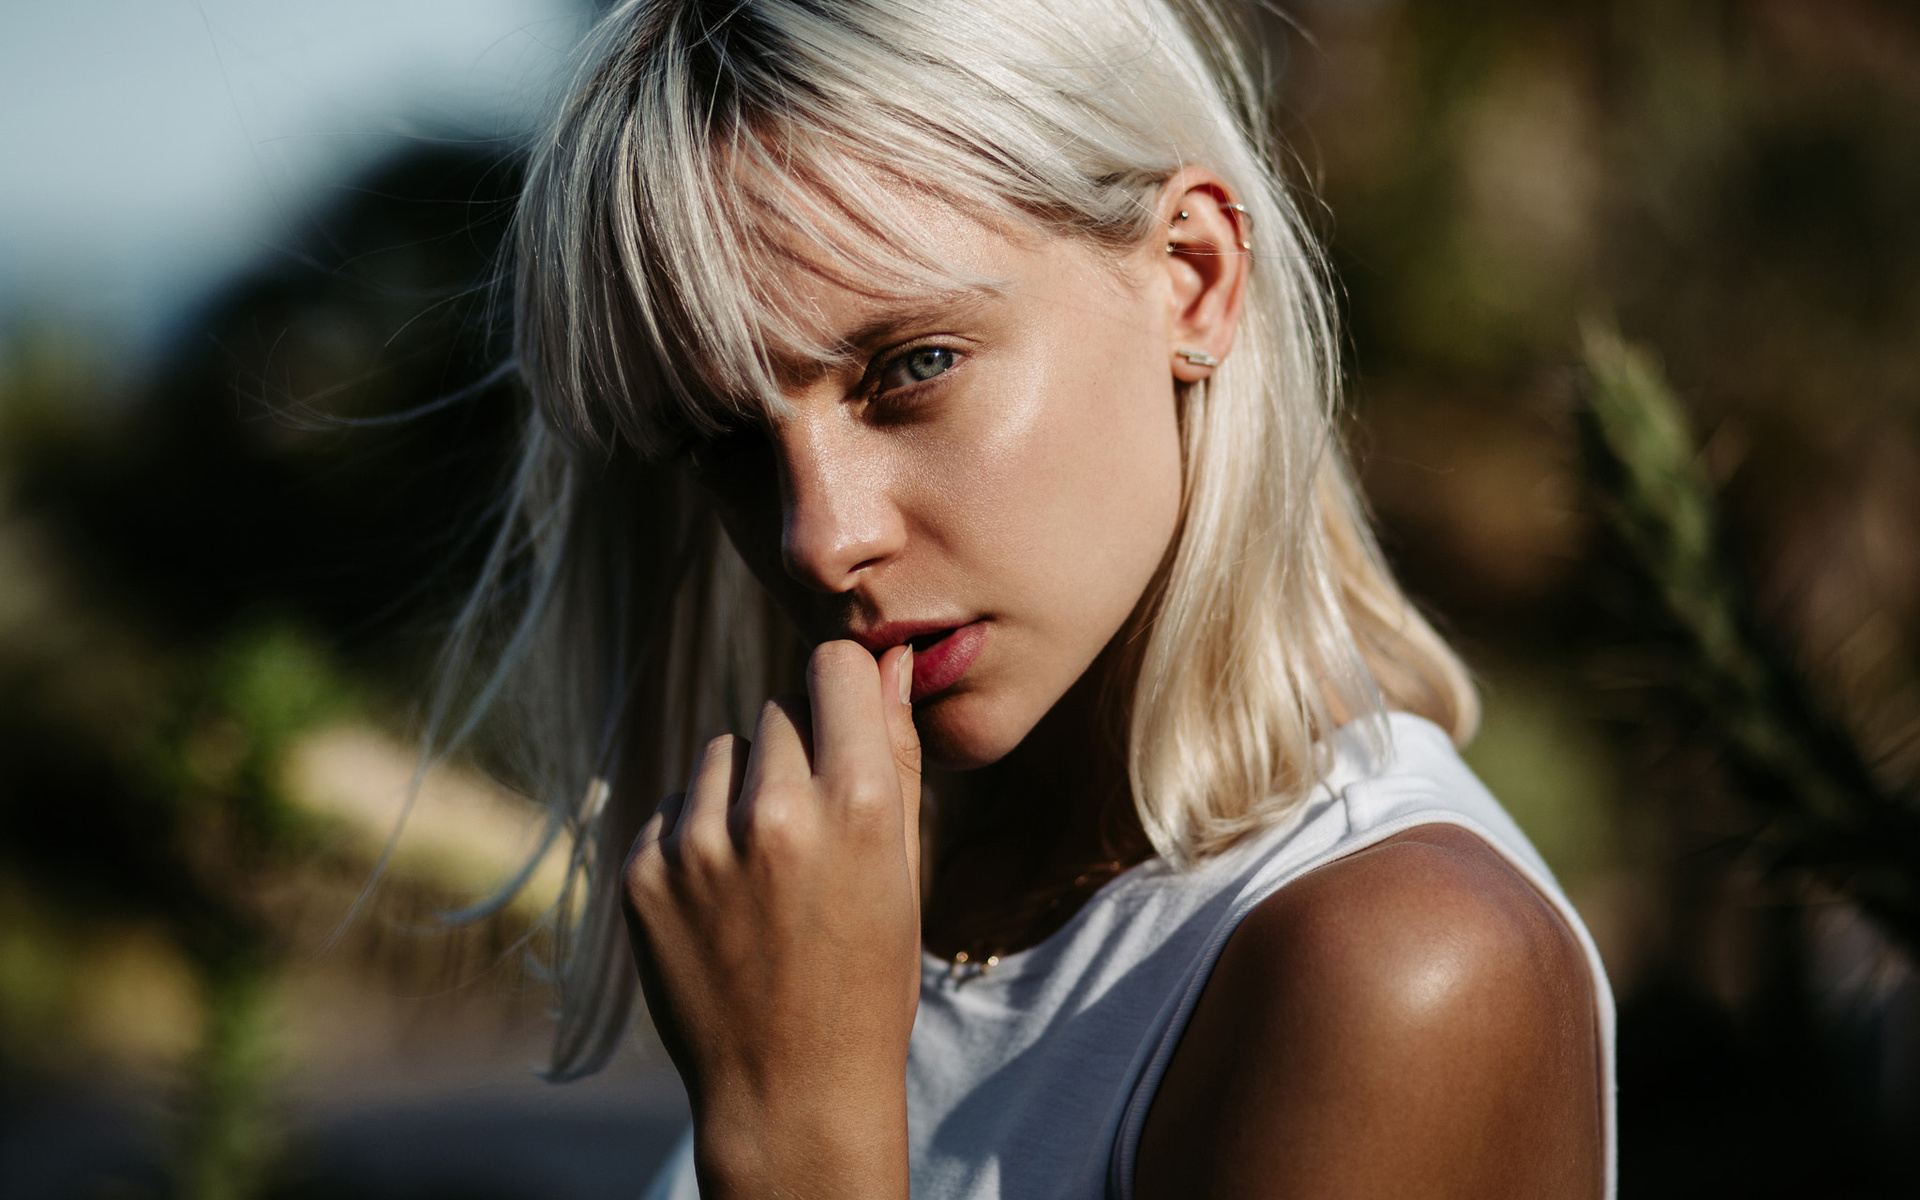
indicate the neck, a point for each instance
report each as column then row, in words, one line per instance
column 1021, row 844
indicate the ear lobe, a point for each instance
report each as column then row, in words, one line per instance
column 1208, row 255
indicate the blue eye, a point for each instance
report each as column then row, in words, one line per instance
column 928, row 362
column 918, row 366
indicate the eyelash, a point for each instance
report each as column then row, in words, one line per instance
column 707, row 452
column 897, row 362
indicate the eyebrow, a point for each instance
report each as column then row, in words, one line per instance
column 895, row 317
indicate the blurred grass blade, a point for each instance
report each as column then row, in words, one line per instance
column 1826, row 813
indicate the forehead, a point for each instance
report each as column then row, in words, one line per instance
column 801, row 265
column 836, row 303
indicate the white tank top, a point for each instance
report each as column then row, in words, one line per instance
column 1033, row 1078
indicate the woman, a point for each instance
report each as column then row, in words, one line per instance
column 977, row 344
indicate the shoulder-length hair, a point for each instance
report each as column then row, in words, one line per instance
column 703, row 140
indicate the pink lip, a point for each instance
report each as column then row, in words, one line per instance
column 939, row 666
column 882, row 638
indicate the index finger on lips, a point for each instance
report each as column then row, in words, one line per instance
column 851, row 745
column 904, row 740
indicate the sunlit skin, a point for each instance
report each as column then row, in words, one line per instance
column 1025, row 490
column 997, row 478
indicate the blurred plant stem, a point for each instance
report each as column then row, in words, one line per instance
column 232, row 723
column 1824, row 812
column 228, row 1138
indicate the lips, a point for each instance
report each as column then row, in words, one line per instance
column 940, row 663
column 941, row 653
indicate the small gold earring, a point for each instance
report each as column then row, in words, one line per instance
column 1199, row 358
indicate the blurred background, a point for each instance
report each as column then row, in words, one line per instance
column 1632, row 290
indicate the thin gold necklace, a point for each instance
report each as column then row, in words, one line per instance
column 971, row 964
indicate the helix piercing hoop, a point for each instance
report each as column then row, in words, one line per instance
column 1248, row 217
column 1199, row 358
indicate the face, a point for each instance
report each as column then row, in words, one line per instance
column 995, row 478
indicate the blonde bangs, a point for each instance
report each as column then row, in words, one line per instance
column 662, row 216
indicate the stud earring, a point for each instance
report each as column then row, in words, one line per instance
column 1199, row 358
column 1184, row 214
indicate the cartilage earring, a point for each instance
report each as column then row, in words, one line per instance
column 1199, row 358
column 1184, row 214
column 1242, row 210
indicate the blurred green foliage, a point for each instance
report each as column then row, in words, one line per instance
column 1826, row 812
column 194, row 574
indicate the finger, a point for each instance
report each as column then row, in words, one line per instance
column 896, row 674
column 849, row 718
column 781, row 763
column 702, row 823
column 655, row 831
column 665, row 818
column 783, row 743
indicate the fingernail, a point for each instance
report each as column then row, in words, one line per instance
column 906, row 676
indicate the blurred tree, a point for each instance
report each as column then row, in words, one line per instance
column 183, row 556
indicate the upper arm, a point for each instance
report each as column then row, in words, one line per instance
column 1411, row 1020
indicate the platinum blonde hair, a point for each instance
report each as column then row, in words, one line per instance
column 703, row 140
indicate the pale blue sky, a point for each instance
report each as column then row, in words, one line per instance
column 149, row 148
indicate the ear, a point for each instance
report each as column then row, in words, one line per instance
column 1207, row 253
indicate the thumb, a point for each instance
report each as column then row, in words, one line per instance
column 896, row 682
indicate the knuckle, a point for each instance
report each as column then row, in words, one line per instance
column 869, row 800
column 637, row 853
column 705, row 849
column 644, row 871
column 778, row 827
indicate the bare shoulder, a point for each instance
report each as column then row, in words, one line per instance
column 1413, row 1019
column 1430, row 925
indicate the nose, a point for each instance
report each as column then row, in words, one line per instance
column 839, row 517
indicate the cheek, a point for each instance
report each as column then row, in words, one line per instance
column 1074, row 489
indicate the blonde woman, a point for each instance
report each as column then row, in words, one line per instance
column 947, row 386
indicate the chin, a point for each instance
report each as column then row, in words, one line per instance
column 965, row 730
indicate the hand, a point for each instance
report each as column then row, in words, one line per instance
column 774, row 910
